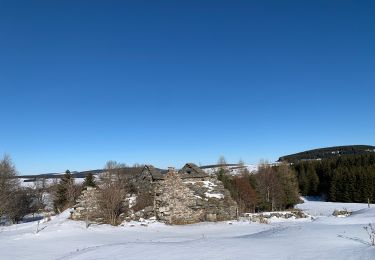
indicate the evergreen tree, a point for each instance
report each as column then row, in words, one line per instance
column 312, row 179
column 348, row 178
column 302, row 180
column 64, row 195
column 332, row 190
column 89, row 181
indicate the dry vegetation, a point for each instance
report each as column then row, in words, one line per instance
column 272, row 188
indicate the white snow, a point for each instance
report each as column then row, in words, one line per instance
column 324, row 237
column 319, row 208
column 234, row 170
column 132, row 200
column 190, row 182
column 214, row 195
column 209, row 185
column 48, row 182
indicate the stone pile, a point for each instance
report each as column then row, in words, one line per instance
column 192, row 200
column 87, row 205
column 265, row 216
column 174, row 198
column 175, row 203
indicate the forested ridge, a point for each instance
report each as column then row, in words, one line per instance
column 329, row 152
column 347, row 178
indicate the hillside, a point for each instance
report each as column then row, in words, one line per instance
column 329, row 152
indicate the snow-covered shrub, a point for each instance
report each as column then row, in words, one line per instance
column 370, row 229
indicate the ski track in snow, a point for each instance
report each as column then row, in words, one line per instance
column 324, row 237
column 78, row 252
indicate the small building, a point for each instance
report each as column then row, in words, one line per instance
column 190, row 171
column 151, row 174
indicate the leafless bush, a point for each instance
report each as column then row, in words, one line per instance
column 111, row 198
column 39, row 189
column 370, row 229
column 244, row 194
column 112, row 191
column 21, row 205
column 144, row 200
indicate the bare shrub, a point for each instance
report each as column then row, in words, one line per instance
column 39, row 189
column 144, row 199
column 112, row 192
column 21, row 205
column 244, row 194
column 111, row 202
column 370, row 229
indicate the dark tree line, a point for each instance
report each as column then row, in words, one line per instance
column 329, row 152
column 348, row 178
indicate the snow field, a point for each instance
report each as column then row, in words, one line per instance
column 323, row 237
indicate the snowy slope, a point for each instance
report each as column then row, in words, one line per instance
column 319, row 208
column 234, row 170
column 326, row 237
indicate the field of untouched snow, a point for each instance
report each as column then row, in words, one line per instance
column 324, row 237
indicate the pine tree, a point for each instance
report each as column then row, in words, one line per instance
column 312, row 179
column 332, row 190
column 64, row 196
column 302, row 180
column 89, row 181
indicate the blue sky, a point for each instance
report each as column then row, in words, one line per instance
column 167, row 82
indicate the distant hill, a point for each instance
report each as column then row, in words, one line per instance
column 329, row 152
column 77, row 175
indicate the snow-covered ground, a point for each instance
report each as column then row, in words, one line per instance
column 315, row 207
column 25, row 182
column 324, row 237
column 234, row 170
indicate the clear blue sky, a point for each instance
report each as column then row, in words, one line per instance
column 167, row 82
